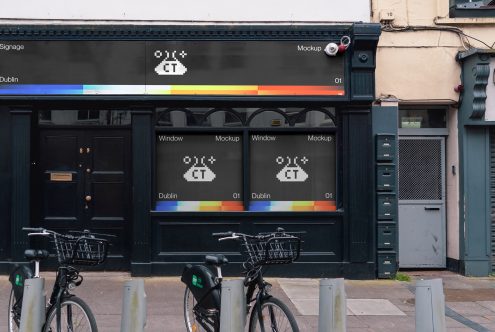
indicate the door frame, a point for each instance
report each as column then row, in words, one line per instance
column 442, row 204
column 119, row 262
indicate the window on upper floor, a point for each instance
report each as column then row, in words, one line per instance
column 472, row 8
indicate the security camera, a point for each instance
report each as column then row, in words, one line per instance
column 332, row 49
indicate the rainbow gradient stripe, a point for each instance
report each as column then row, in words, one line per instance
column 179, row 206
column 292, row 206
column 249, row 90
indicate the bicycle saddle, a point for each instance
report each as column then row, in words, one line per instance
column 35, row 255
column 217, row 260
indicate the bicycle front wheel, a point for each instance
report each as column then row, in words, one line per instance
column 75, row 316
column 275, row 316
column 14, row 313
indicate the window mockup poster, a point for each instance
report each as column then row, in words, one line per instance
column 292, row 172
column 199, row 172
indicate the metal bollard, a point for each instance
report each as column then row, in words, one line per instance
column 233, row 309
column 333, row 306
column 430, row 306
column 133, row 307
column 33, row 305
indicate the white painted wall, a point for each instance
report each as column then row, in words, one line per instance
column 189, row 10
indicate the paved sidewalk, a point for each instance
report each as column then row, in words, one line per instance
column 374, row 305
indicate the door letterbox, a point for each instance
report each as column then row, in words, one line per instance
column 385, row 177
column 385, row 147
column 386, row 206
column 386, row 237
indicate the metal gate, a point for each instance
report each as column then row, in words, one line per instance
column 422, row 226
column 492, row 193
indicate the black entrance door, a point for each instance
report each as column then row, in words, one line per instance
column 84, row 184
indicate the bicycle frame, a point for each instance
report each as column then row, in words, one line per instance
column 61, row 291
column 208, row 319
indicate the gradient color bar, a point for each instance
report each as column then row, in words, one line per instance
column 292, row 206
column 253, row 90
column 171, row 206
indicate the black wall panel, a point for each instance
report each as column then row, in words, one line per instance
column 358, row 172
column 5, row 178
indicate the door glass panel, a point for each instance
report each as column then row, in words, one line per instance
column 422, row 118
column 85, row 117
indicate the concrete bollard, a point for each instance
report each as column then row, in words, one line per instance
column 333, row 306
column 33, row 305
column 133, row 307
column 430, row 306
column 233, row 309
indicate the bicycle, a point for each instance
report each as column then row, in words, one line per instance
column 64, row 311
column 203, row 289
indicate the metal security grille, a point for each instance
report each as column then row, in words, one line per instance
column 492, row 193
column 420, row 169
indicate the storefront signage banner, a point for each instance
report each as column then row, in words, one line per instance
column 263, row 68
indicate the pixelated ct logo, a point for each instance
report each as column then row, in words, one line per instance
column 170, row 65
column 292, row 172
column 199, row 171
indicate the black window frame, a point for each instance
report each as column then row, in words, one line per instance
column 463, row 9
column 245, row 132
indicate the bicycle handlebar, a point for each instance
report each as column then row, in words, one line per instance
column 30, row 229
column 222, row 234
column 235, row 236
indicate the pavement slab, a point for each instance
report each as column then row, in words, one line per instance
column 373, row 307
column 472, row 302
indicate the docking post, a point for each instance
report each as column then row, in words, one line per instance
column 233, row 309
column 33, row 305
column 333, row 306
column 430, row 306
column 133, row 307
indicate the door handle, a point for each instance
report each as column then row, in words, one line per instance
column 88, row 198
column 432, row 208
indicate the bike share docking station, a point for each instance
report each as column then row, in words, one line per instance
column 34, row 299
column 33, row 308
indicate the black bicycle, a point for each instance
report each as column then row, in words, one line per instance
column 266, row 313
column 64, row 311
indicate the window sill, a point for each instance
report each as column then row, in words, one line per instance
column 465, row 20
column 338, row 213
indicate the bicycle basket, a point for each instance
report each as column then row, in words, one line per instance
column 272, row 250
column 81, row 250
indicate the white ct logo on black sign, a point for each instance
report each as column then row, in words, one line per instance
column 170, row 65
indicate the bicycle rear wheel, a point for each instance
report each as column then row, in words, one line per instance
column 276, row 317
column 14, row 314
column 75, row 316
column 192, row 325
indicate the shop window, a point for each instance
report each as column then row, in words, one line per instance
column 175, row 118
column 292, row 172
column 287, row 164
column 472, row 8
column 84, row 117
column 199, row 172
column 223, row 118
column 267, row 118
column 315, row 118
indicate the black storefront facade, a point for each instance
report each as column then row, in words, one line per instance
column 164, row 135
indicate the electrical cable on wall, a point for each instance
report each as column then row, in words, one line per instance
column 463, row 37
